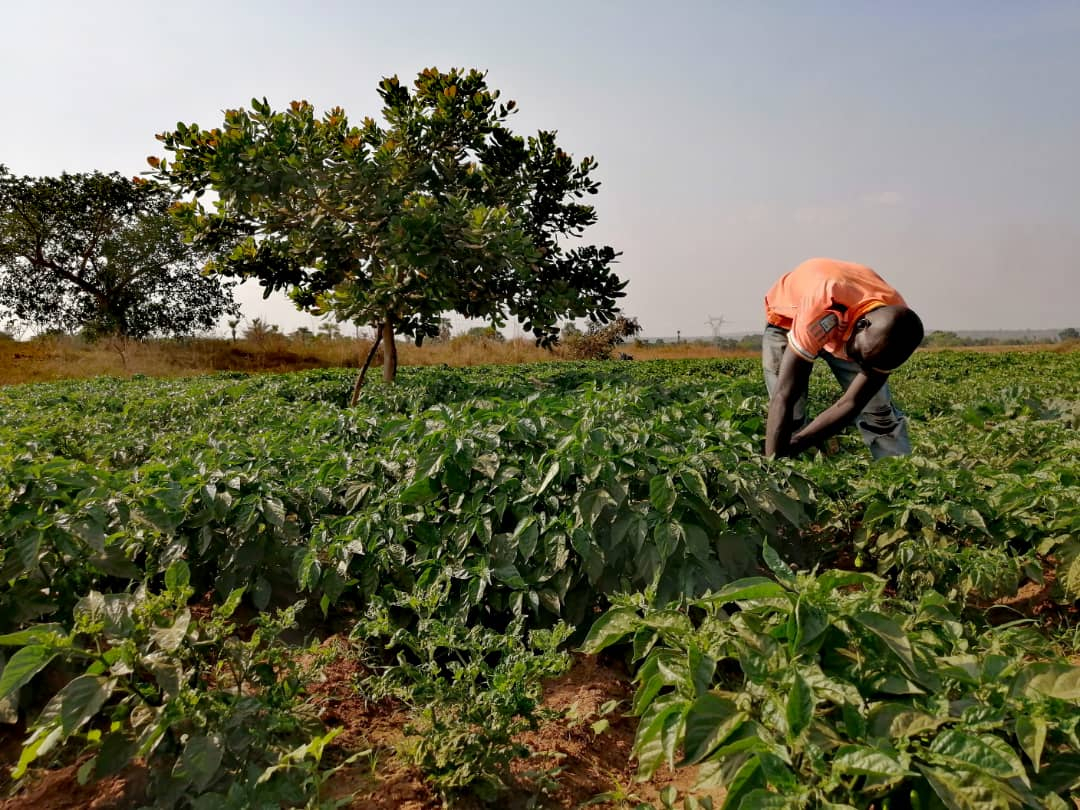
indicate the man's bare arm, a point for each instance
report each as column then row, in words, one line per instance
column 791, row 383
column 840, row 414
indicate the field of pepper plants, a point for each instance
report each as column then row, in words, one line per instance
column 821, row 632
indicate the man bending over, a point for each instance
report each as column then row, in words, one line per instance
column 850, row 317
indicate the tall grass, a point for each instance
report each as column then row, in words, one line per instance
column 62, row 357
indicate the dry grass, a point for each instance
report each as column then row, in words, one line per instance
column 57, row 358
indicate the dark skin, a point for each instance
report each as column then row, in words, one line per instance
column 873, row 338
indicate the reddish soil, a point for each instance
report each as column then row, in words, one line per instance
column 589, row 763
column 60, row 790
column 569, row 766
column 1034, row 601
column 570, row 763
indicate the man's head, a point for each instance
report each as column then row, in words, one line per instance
column 884, row 338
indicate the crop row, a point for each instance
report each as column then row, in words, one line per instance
column 521, row 500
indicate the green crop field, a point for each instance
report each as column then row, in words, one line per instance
column 822, row 632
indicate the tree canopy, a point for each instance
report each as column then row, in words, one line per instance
column 101, row 253
column 440, row 208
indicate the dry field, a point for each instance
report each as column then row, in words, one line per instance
column 57, row 358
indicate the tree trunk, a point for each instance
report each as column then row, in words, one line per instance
column 389, row 366
column 364, row 368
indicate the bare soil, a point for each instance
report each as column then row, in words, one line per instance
column 570, row 764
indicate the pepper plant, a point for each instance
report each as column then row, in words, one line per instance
column 816, row 690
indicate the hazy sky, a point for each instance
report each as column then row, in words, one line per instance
column 935, row 141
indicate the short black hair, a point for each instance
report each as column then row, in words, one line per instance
column 904, row 336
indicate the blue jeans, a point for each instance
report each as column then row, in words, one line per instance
column 882, row 425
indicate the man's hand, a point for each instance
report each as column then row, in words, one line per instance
column 841, row 413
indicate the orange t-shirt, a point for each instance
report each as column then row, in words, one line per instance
column 819, row 301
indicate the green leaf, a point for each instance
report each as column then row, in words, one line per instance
column 710, row 720
column 613, row 626
column 744, row 590
column 1031, row 733
column 694, row 483
column 800, row 707
column 1068, row 569
column 9, row 706
column 1048, row 679
column 662, row 493
column 966, row 750
column 860, row 759
column 37, row 634
column 894, row 721
column 260, row 594
column 833, row 580
column 895, row 639
column 170, row 638
column 177, row 576
column 508, row 574
column 670, row 733
column 746, row 780
column 419, row 492
column 23, row 666
column 1062, row 777
column 792, row 510
column 778, row 775
column 811, row 622
column 590, row 504
column 39, row 744
column 966, row 790
column 526, row 534
column 549, row 476
column 81, row 699
column 231, row 603
column 644, row 639
column 669, row 622
column 655, row 738
column 776, row 564
column 200, row 760
column 114, row 754
column 761, row 799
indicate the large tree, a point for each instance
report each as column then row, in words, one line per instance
column 101, row 253
column 440, row 208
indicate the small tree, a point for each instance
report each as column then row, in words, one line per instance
column 328, row 330
column 99, row 253
column 570, row 331
column 446, row 330
column 440, row 209
column 233, row 324
column 1070, row 333
column 259, row 331
column 488, row 333
column 303, row 334
column 598, row 342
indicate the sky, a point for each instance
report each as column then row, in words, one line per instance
column 936, row 142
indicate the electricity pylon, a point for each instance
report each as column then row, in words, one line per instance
column 714, row 323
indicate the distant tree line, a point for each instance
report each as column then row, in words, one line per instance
column 944, row 339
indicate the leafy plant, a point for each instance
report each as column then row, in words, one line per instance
column 464, row 509
column 816, row 690
column 472, row 689
column 207, row 710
